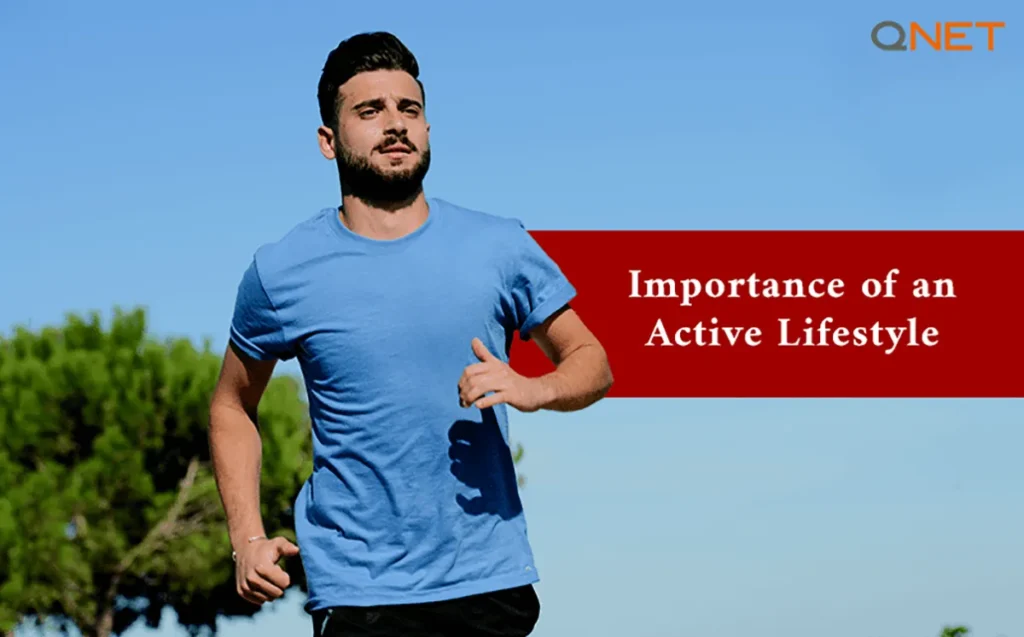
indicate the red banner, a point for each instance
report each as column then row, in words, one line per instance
column 798, row 313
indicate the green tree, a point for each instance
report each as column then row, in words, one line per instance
column 955, row 631
column 108, row 507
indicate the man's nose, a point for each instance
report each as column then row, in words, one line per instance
column 395, row 123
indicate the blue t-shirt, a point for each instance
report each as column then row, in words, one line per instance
column 412, row 497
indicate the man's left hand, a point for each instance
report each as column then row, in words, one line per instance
column 494, row 376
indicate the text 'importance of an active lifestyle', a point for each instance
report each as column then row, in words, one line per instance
column 789, row 331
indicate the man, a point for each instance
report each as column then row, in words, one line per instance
column 401, row 310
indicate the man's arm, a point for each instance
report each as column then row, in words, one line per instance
column 582, row 375
column 257, row 342
column 534, row 286
column 235, row 445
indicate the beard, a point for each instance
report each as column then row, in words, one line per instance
column 363, row 180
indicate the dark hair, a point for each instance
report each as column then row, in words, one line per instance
column 377, row 51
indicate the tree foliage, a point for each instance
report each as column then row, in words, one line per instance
column 108, row 507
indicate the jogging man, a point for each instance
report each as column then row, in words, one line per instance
column 400, row 309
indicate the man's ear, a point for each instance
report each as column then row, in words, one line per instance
column 325, row 139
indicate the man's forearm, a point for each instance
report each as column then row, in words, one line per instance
column 579, row 380
column 236, row 451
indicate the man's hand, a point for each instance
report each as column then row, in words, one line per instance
column 258, row 578
column 492, row 374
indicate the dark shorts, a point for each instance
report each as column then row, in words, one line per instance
column 506, row 613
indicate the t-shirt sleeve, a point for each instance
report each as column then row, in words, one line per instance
column 255, row 326
column 537, row 286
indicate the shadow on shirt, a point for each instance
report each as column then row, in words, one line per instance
column 482, row 460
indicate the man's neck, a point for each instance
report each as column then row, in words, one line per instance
column 384, row 221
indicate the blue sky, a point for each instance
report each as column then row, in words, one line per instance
column 149, row 149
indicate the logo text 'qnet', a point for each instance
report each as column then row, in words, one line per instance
column 890, row 35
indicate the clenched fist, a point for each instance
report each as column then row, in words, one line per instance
column 258, row 578
column 492, row 375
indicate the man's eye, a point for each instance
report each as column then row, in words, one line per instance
column 367, row 112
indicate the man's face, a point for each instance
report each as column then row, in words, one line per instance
column 383, row 139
